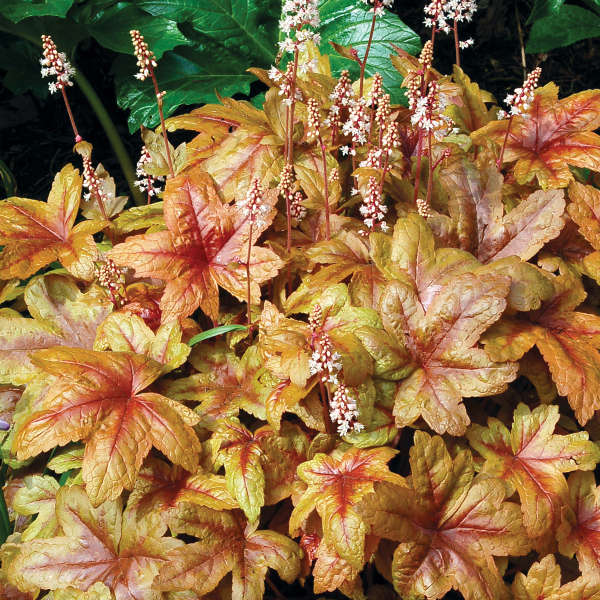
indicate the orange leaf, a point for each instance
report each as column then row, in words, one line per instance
column 62, row 316
column 36, row 233
column 579, row 533
column 551, row 136
column 449, row 525
column 335, row 487
column 97, row 396
column 203, row 248
column 99, row 544
column 568, row 341
column 532, row 459
column 228, row 543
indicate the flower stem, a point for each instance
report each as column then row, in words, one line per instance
column 363, row 63
column 249, row 297
column 456, row 43
column 159, row 102
column 70, row 113
column 325, row 406
column 111, row 133
column 430, row 174
column 290, row 145
column 418, row 168
column 325, row 188
column 501, row 157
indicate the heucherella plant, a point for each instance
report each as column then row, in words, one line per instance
column 351, row 349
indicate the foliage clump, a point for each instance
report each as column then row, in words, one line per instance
column 352, row 347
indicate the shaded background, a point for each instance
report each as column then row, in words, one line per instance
column 36, row 140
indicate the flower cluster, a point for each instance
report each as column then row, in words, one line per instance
column 146, row 182
column 93, row 185
column 440, row 12
column 285, row 81
column 111, row 277
column 521, row 99
column 423, row 208
column 378, row 6
column 314, row 120
column 253, row 207
column 344, row 412
column 357, row 125
column 297, row 209
column 324, row 359
column 373, row 209
column 146, row 60
column 315, row 318
column 55, row 64
column 340, row 98
column 296, row 16
column 376, row 92
column 428, row 111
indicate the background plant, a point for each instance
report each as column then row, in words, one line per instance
column 348, row 339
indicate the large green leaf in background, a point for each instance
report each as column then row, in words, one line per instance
column 111, row 29
column 544, row 8
column 188, row 79
column 17, row 10
column 348, row 22
column 568, row 25
column 204, row 46
column 236, row 34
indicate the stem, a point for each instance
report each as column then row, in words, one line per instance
column 363, row 64
column 159, row 103
column 248, row 274
column 501, row 157
column 104, row 118
column 430, row 174
column 418, row 170
column 325, row 406
column 456, row 43
column 71, row 118
column 326, row 188
column 112, row 134
column 290, row 146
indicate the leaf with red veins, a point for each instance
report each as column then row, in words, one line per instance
column 97, row 397
column 37, row 496
column 449, row 525
column 585, row 211
column 99, row 544
column 568, row 341
column 411, row 256
column 526, row 228
column 335, row 486
column 346, row 254
column 160, row 488
column 235, row 143
column 260, row 467
column 579, row 532
column 204, row 248
column 61, row 316
column 442, row 343
column 331, row 572
column 551, row 136
column 224, row 384
column 531, row 458
column 120, row 332
column 228, row 544
column 36, row 233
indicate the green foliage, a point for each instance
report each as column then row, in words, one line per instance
column 556, row 24
column 207, row 46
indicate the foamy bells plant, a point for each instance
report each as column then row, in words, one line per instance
column 229, row 390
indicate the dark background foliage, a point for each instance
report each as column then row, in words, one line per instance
column 35, row 137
